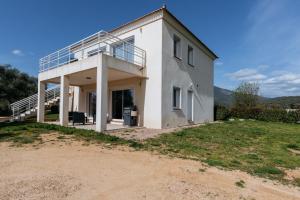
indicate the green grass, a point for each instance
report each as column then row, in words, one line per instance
column 259, row 148
column 51, row 117
column 29, row 132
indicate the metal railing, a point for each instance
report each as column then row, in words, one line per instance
column 29, row 104
column 101, row 42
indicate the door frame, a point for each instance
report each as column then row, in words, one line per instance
column 190, row 106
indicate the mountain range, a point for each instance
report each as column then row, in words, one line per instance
column 225, row 97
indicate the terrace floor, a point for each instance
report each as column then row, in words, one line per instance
column 90, row 126
column 126, row 132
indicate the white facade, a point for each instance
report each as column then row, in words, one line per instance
column 149, row 86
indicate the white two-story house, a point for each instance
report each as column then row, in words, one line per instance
column 154, row 62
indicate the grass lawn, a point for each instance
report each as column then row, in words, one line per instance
column 29, row 132
column 259, row 148
column 264, row 149
column 51, row 117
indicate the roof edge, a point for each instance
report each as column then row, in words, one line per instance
column 135, row 20
column 189, row 31
column 164, row 8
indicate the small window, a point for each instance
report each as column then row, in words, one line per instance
column 176, row 97
column 190, row 55
column 177, row 47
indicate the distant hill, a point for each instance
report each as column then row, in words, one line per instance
column 285, row 101
column 225, row 97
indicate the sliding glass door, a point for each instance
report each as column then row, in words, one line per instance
column 120, row 100
column 92, row 104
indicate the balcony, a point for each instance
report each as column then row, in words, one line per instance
column 101, row 42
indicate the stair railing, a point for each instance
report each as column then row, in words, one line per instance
column 30, row 103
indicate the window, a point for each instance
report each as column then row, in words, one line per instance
column 124, row 50
column 190, row 55
column 129, row 50
column 176, row 98
column 177, row 47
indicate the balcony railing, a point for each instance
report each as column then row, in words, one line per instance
column 101, row 42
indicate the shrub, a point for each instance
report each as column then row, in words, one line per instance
column 271, row 115
column 245, row 113
column 293, row 116
column 274, row 115
column 221, row 112
column 279, row 115
column 268, row 170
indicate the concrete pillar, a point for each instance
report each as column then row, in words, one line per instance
column 41, row 102
column 76, row 101
column 64, row 101
column 101, row 90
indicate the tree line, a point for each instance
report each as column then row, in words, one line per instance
column 247, row 105
column 14, row 86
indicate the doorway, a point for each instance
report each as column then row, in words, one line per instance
column 190, row 106
column 92, row 104
column 120, row 100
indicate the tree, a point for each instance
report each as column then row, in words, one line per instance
column 14, row 85
column 246, row 95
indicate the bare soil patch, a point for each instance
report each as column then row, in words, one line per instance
column 69, row 169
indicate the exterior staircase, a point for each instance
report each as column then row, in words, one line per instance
column 27, row 107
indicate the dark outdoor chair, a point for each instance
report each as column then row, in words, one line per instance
column 71, row 116
column 77, row 117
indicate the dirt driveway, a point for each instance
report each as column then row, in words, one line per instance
column 72, row 170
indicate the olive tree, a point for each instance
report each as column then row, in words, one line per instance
column 246, row 95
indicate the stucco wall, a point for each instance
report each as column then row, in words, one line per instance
column 178, row 73
column 149, row 38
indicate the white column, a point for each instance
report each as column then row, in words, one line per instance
column 76, row 102
column 41, row 102
column 101, row 107
column 64, row 101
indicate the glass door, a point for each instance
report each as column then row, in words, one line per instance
column 92, row 104
column 117, row 107
column 120, row 100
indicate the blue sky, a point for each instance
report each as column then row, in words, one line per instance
column 257, row 41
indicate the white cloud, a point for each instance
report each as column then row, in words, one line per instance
column 284, row 78
column 247, row 74
column 293, row 89
column 17, row 52
column 276, row 83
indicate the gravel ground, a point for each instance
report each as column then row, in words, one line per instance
column 69, row 169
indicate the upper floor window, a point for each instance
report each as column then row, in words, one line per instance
column 190, row 55
column 176, row 47
column 124, row 50
column 176, row 98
